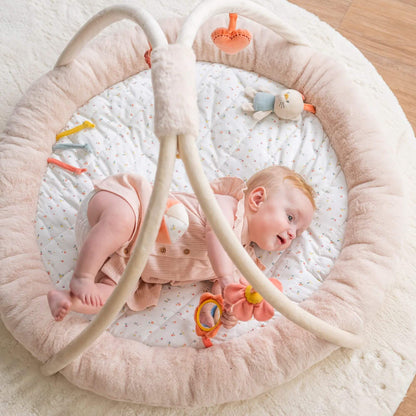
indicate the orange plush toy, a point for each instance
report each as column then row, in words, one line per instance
column 204, row 331
column 231, row 40
column 240, row 299
column 174, row 224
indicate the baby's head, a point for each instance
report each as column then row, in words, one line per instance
column 279, row 207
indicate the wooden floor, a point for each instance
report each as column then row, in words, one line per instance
column 385, row 32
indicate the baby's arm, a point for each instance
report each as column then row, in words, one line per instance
column 222, row 265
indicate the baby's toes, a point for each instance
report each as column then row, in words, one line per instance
column 91, row 300
column 207, row 320
column 97, row 301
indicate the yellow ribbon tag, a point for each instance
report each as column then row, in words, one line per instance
column 85, row 125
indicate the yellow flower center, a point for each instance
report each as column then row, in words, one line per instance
column 252, row 296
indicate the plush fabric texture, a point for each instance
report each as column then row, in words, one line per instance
column 173, row 71
column 368, row 146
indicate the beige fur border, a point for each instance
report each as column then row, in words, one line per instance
column 243, row 368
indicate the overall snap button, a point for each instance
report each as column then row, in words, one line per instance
column 186, row 251
column 163, row 250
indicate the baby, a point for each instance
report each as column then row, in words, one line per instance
column 275, row 206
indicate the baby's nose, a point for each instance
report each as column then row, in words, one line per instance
column 291, row 234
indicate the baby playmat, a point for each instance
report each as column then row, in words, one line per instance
column 348, row 279
column 124, row 134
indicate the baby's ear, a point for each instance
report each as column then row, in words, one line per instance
column 256, row 197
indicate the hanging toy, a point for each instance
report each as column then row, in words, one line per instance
column 287, row 105
column 231, row 40
column 240, row 299
column 247, row 303
column 174, row 224
column 206, row 330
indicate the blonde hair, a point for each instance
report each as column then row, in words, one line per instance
column 271, row 178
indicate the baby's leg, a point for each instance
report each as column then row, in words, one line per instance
column 62, row 301
column 112, row 223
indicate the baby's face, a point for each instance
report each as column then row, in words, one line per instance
column 280, row 218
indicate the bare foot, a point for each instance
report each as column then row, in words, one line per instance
column 205, row 316
column 59, row 303
column 86, row 290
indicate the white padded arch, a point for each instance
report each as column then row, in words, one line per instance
column 289, row 309
column 153, row 217
column 105, row 18
column 147, row 236
column 206, row 197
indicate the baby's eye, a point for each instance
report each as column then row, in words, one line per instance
column 290, row 218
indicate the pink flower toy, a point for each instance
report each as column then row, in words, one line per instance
column 244, row 302
column 240, row 299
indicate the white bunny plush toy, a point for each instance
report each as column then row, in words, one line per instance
column 287, row 105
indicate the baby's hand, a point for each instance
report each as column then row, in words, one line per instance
column 228, row 320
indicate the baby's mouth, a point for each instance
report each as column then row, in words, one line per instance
column 282, row 240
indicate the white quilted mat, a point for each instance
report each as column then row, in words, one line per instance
column 230, row 143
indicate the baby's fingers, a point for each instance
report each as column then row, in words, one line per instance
column 228, row 320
